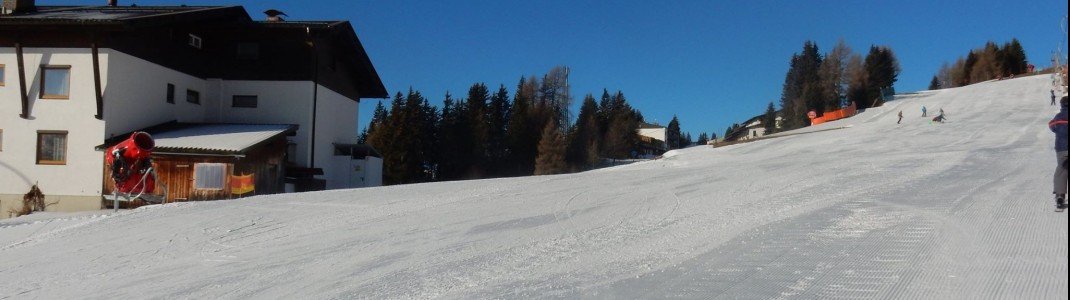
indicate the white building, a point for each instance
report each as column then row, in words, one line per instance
column 72, row 77
column 652, row 139
column 756, row 129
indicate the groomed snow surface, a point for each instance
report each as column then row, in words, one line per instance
column 960, row 210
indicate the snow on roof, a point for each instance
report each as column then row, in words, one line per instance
column 218, row 137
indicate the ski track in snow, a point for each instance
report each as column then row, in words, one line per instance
column 960, row 210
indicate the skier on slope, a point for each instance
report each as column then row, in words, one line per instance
column 1058, row 126
column 940, row 118
column 900, row 117
column 923, row 112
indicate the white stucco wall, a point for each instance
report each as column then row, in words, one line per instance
column 278, row 102
column 81, row 175
column 755, row 132
column 135, row 94
column 337, row 123
column 373, row 171
column 347, row 172
column 657, row 133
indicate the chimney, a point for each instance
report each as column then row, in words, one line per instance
column 113, row 3
column 18, row 6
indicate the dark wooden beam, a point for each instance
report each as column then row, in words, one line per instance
column 22, row 83
column 315, row 95
column 96, row 83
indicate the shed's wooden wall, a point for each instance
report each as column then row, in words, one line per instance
column 264, row 161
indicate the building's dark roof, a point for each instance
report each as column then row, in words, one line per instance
column 357, row 151
column 119, row 15
column 152, row 32
column 99, row 13
column 645, row 125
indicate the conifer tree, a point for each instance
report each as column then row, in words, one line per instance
column 497, row 120
column 621, row 135
column 428, row 132
column 790, row 98
column 583, row 140
column 703, row 138
column 478, row 129
column 813, row 91
column 804, row 90
column 383, row 138
column 415, row 140
column 449, row 139
column 934, row 84
column 672, row 134
column 882, row 71
column 603, row 113
column 551, row 157
column 1016, row 61
column 967, row 69
column 523, row 137
column 769, row 119
column 362, row 138
column 373, row 134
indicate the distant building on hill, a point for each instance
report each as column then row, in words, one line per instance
column 652, row 139
column 753, row 128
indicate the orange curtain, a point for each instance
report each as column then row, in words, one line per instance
column 241, row 184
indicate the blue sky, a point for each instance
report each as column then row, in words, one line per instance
column 709, row 62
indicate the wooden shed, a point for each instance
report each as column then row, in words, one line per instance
column 200, row 161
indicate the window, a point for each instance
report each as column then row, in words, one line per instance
column 243, row 101
column 1, row 75
column 208, row 176
column 195, row 41
column 51, row 147
column 249, row 51
column 193, row 97
column 55, row 82
column 170, row 93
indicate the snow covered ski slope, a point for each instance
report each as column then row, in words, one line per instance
column 960, row 210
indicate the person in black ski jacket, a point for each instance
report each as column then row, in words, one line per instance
column 1058, row 126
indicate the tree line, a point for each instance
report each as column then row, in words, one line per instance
column 982, row 64
column 486, row 134
column 821, row 83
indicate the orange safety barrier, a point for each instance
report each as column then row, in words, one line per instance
column 845, row 112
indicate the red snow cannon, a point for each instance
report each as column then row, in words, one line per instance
column 131, row 164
